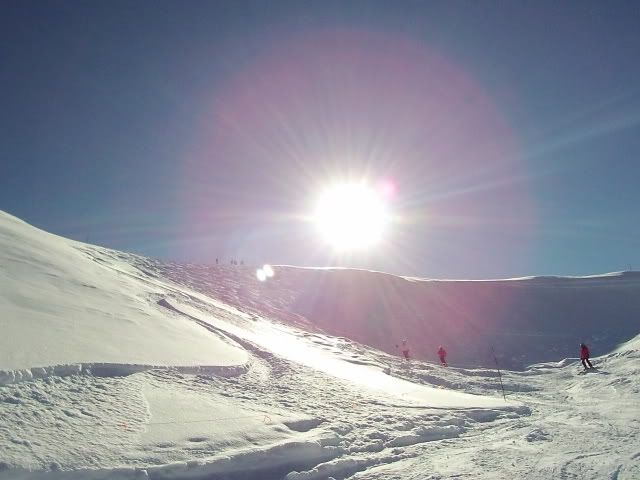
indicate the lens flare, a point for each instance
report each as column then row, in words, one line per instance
column 264, row 273
column 388, row 188
column 268, row 271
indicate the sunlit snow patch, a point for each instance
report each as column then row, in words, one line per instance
column 286, row 343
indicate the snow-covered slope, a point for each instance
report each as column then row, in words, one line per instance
column 525, row 320
column 61, row 305
column 118, row 366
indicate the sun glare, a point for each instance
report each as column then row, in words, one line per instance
column 351, row 216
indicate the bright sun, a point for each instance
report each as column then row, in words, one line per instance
column 351, row 216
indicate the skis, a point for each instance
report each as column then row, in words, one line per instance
column 589, row 370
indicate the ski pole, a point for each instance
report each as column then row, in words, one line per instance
column 493, row 352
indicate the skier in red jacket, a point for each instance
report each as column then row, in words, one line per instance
column 404, row 348
column 584, row 356
column 442, row 353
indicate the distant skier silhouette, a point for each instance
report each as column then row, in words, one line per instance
column 442, row 353
column 404, row 348
column 584, row 356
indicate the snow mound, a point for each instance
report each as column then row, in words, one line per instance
column 74, row 310
column 112, row 370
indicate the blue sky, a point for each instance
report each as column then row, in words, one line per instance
column 196, row 130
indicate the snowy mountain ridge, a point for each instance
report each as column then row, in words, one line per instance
column 525, row 320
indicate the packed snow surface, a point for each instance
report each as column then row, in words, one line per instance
column 116, row 366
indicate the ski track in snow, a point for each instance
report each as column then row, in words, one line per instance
column 558, row 428
column 277, row 418
column 115, row 408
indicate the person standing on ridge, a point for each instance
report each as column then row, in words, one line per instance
column 442, row 353
column 584, row 356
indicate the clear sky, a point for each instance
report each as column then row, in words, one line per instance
column 193, row 130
